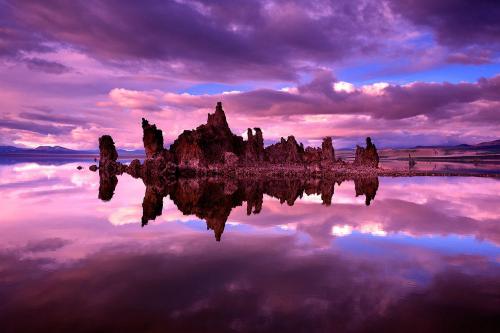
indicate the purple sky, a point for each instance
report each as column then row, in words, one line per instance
column 405, row 72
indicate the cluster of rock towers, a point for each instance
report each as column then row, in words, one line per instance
column 213, row 148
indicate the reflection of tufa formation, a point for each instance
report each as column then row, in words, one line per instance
column 212, row 148
column 212, row 199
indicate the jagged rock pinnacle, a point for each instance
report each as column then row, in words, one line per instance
column 152, row 139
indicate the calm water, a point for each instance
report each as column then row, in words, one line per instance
column 423, row 256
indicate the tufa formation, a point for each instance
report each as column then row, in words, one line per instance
column 212, row 148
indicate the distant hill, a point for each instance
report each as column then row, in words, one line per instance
column 493, row 143
column 53, row 149
column 483, row 145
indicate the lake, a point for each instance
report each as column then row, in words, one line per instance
column 418, row 254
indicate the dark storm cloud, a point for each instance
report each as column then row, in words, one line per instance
column 15, row 38
column 44, row 129
column 229, row 40
column 42, row 65
column 254, row 38
column 47, row 115
column 458, row 23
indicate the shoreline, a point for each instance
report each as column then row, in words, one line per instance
column 345, row 171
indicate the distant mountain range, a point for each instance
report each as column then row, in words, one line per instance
column 495, row 144
column 58, row 150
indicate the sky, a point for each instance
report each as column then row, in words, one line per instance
column 404, row 72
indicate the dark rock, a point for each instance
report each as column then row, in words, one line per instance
column 318, row 155
column 254, row 146
column 79, row 167
column 107, row 185
column 107, row 150
column 367, row 187
column 218, row 118
column 152, row 139
column 367, row 156
column 285, row 151
column 327, row 151
column 207, row 199
column 157, row 169
column 152, row 204
column 230, row 159
column 93, row 168
column 208, row 143
column 108, row 156
column 411, row 161
column 312, row 155
column 134, row 169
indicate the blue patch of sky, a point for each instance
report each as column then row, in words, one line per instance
column 200, row 225
column 195, row 224
column 366, row 244
column 215, row 88
column 212, row 88
column 453, row 73
column 404, row 69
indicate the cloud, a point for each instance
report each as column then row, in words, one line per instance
column 44, row 129
column 220, row 40
column 47, row 244
column 132, row 99
column 50, row 67
column 456, row 23
column 326, row 96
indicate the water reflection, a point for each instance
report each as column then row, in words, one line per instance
column 422, row 257
column 212, row 199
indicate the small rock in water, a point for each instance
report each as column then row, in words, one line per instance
column 93, row 167
column 79, row 167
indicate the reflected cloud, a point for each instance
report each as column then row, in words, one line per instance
column 47, row 244
column 269, row 284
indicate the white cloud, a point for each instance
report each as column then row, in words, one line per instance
column 375, row 89
column 344, row 86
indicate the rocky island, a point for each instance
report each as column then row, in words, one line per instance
column 213, row 149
